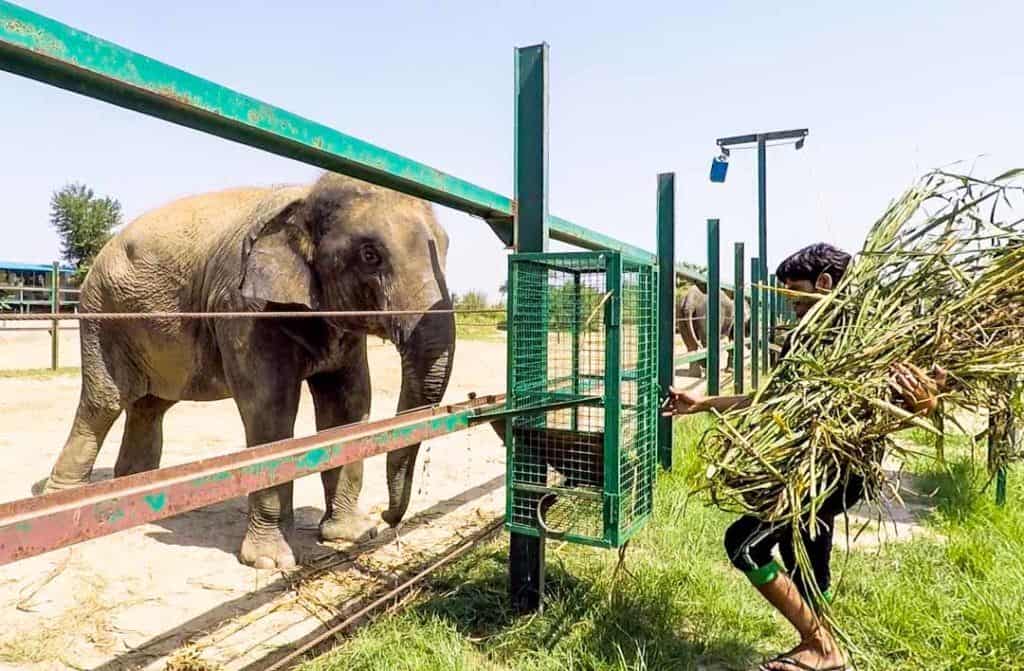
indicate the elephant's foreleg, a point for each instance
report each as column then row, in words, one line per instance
column 267, row 418
column 143, row 439
column 93, row 420
column 342, row 398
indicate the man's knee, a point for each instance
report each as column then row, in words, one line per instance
column 748, row 544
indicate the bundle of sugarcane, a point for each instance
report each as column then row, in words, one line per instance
column 939, row 281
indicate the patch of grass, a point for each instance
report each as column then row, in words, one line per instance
column 40, row 373
column 957, row 604
column 922, row 604
column 480, row 326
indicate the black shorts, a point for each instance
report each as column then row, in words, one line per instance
column 749, row 542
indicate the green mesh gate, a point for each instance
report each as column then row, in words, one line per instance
column 583, row 354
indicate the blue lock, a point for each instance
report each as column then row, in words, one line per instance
column 719, row 166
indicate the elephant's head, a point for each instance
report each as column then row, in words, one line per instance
column 347, row 245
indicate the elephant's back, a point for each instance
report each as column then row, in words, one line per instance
column 150, row 261
column 183, row 232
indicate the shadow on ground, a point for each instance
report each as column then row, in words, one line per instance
column 184, row 530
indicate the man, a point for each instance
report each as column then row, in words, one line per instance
column 749, row 542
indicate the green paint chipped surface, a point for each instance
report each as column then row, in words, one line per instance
column 314, row 458
column 207, row 479
column 156, row 501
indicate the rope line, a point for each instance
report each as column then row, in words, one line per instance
column 304, row 314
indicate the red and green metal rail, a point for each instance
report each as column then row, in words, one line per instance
column 36, row 525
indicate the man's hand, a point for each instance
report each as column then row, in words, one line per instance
column 680, row 402
column 919, row 390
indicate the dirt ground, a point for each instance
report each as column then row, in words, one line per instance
column 134, row 599
column 127, row 600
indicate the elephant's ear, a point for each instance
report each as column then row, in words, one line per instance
column 277, row 252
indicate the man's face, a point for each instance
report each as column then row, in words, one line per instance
column 802, row 304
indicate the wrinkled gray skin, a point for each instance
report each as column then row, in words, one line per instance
column 691, row 322
column 339, row 244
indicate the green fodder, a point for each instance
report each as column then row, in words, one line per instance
column 937, row 282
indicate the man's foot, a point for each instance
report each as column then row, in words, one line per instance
column 808, row 656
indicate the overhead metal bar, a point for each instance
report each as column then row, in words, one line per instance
column 36, row 525
column 40, row 48
column 795, row 134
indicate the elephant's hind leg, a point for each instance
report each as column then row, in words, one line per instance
column 143, row 440
column 74, row 465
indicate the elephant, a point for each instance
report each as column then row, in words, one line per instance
column 338, row 244
column 691, row 316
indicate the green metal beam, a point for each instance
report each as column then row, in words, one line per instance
column 40, row 48
column 34, row 46
column 713, row 323
column 739, row 332
column 526, row 552
column 755, row 321
column 666, row 207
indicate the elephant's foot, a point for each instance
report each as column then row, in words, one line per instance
column 266, row 549
column 55, row 484
column 351, row 527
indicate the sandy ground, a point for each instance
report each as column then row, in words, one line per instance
column 127, row 600
column 130, row 600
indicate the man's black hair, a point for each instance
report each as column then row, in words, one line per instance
column 812, row 261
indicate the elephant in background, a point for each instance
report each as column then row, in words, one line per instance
column 691, row 322
column 339, row 244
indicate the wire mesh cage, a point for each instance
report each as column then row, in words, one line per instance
column 583, row 389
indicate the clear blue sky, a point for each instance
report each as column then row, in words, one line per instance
column 888, row 89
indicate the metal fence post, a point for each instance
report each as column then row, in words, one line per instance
column 55, row 308
column 666, row 197
column 738, row 332
column 526, row 553
column 755, row 322
column 712, row 324
column 773, row 315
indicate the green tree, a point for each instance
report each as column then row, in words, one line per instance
column 471, row 300
column 84, row 222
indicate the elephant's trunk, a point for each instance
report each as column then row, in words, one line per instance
column 427, row 353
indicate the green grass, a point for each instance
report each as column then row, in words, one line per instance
column 39, row 373
column 480, row 326
column 952, row 603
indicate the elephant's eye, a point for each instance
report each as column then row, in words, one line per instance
column 369, row 255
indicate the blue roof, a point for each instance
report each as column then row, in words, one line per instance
column 33, row 267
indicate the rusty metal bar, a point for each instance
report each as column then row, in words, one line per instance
column 36, row 525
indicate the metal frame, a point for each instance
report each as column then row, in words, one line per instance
column 32, row 526
column 740, row 309
column 40, row 48
column 666, row 205
column 761, row 140
column 37, row 47
column 712, row 323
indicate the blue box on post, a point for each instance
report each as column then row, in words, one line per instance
column 719, row 166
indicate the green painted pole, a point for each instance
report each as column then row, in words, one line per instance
column 1001, row 487
column 762, row 242
column 755, row 321
column 526, row 553
column 666, row 204
column 773, row 314
column 55, row 308
column 612, row 390
column 739, row 333
column 713, row 322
